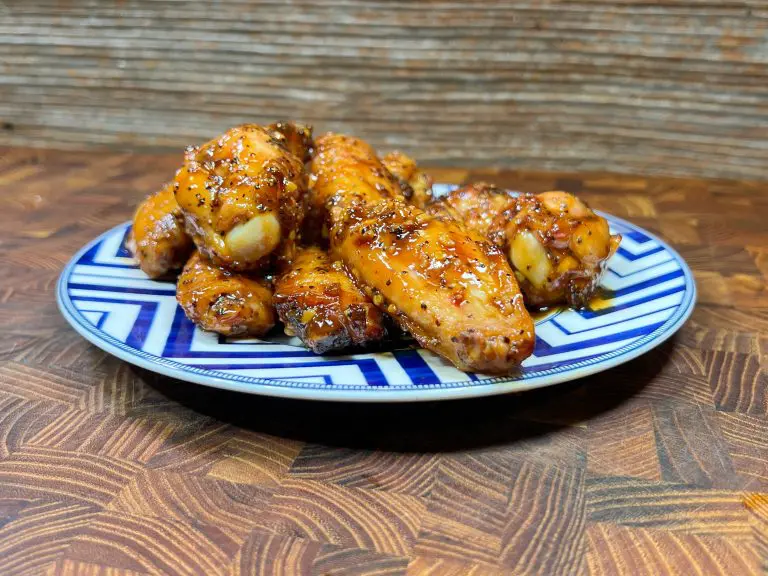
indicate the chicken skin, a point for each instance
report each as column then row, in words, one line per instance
column 157, row 238
column 318, row 302
column 335, row 164
column 297, row 138
column 556, row 244
column 451, row 289
column 379, row 182
column 415, row 185
column 242, row 198
column 229, row 303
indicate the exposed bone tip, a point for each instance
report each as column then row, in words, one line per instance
column 252, row 240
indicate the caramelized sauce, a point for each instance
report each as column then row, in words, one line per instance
column 543, row 314
column 601, row 300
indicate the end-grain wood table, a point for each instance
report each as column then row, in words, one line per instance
column 658, row 466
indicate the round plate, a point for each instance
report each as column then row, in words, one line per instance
column 648, row 293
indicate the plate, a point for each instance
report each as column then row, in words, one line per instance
column 648, row 293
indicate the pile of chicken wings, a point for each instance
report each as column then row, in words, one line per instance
column 347, row 249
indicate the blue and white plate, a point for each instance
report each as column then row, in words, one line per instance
column 648, row 293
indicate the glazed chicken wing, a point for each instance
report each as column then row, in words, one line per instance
column 379, row 182
column 415, row 185
column 318, row 302
column 297, row 138
column 157, row 239
column 452, row 290
column 242, row 198
column 557, row 245
column 226, row 302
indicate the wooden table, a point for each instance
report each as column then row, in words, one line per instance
column 655, row 467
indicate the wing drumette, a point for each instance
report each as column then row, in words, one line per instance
column 157, row 239
column 228, row 303
column 557, row 245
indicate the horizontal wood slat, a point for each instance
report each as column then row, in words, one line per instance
column 673, row 86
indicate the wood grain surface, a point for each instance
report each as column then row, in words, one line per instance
column 663, row 86
column 659, row 466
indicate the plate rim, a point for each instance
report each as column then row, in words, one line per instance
column 423, row 393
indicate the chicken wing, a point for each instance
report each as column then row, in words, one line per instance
column 318, row 302
column 297, row 138
column 556, row 244
column 349, row 154
column 157, row 238
column 226, row 302
column 242, row 198
column 338, row 162
column 416, row 186
column 452, row 290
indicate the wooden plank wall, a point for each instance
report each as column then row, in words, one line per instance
column 651, row 86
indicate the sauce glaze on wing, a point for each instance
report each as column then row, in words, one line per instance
column 229, row 303
column 556, row 244
column 415, row 185
column 318, row 302
column 157, row 239
column 297, row 138
column 242, row 196
column 350, row 155
column 452, row 290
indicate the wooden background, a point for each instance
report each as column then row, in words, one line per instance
column 667, row 86
column 656, row 467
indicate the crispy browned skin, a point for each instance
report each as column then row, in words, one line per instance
column 453, row 291
column 157, row 238
column 318, row 302
column 416, row 186
column 557, row 246
column 297, row 138
column 229, row 303
column 242, row 195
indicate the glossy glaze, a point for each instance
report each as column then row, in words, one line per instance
column 319, row 303
column 452, row 290
column 297, row 138
column 158, row 240
column 415, row 184
column 242, row 197
column 557, row 245
column 228, row 303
